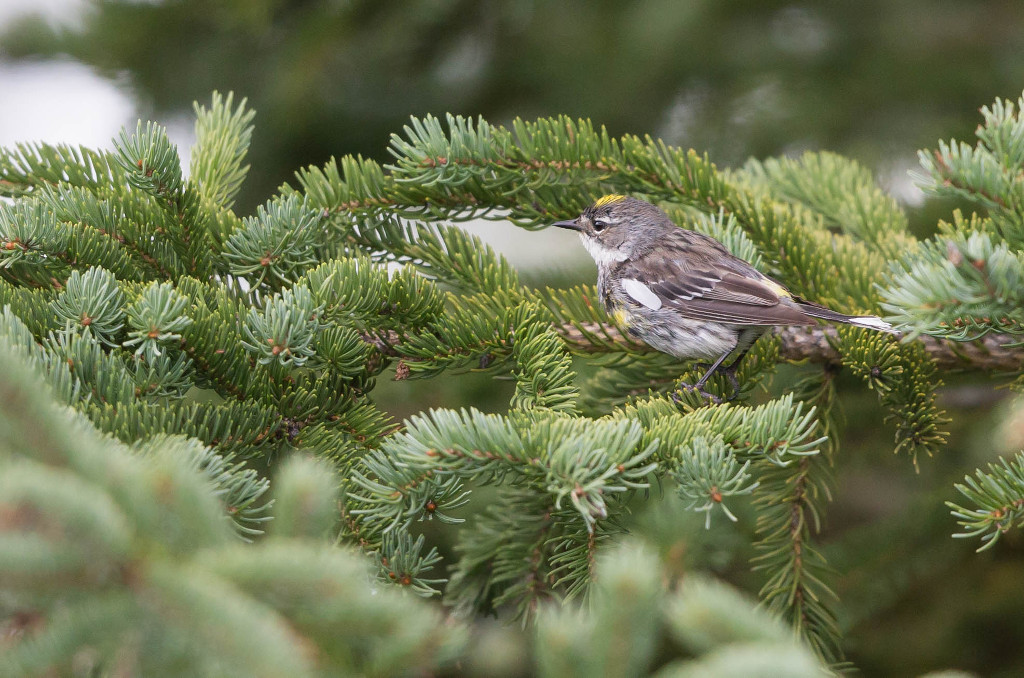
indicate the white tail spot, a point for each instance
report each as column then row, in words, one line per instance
column 873, row 323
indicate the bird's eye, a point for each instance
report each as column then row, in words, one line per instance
column 600, row 225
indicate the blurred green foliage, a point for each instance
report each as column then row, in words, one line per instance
column 873, row 79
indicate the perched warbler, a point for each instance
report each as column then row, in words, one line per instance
column 682, row 292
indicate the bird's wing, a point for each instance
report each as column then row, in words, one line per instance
column 687, row 281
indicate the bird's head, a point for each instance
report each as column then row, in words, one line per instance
column 617, row 228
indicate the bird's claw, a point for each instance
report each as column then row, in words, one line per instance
column 677, row 395
column 729, row 372
column 734, row 382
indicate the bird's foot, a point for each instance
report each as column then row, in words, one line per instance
column 677, row 395
column 730, row 372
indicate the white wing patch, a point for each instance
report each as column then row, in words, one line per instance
column 641, row 293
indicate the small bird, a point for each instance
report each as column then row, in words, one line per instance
column 683, row 293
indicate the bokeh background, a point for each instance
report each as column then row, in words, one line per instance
column 873, row 79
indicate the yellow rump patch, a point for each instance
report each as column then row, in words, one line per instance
column 778, row 289
column 609, row 199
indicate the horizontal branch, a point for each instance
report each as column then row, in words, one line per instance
column 994, row 352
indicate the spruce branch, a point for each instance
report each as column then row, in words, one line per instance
column 343, row 350
column 476, row 333
column 157, row 317
column 27, row 167
column 987, row 173
column 223, row 134
column 114, row 227
column 240, row 490
column 151, row 164
column 348, row 184
column 356, row 292
column 305, row 499
column 576, row 463
column 31, row 305
column 243, row 428
column 817, row 344
column 419, row 473
column 28, row 235
column 997, row 499
column 619, row 636
column 439, row 251
column 707, row 474
column 21, row 342
column 403, row 563
column 544, row 374
column 781, row 440
column 723, row 633
column 92, row 301
column 575, row 552
column 905, row 382
column 706, row 613
column 517, row 527
column 840, row 190
column 789, row 508
column 161, row 376
column 104, row 376
column 284, row 332
column 113, row 550
column 961, row 287
column 276, row 246
column 780, row 431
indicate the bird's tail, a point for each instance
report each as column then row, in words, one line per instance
column 869, row 321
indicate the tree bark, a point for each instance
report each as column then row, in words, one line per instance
column 993, row 352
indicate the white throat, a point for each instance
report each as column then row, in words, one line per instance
column 601, row 254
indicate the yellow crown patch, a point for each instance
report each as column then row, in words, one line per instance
column 609, row 199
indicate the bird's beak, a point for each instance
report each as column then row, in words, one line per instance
column 571, row 225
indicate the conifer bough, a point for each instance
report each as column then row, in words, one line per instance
column 153, row 309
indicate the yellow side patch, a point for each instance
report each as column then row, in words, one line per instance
column 777, row 288
column 609, row 199
column 621, row 316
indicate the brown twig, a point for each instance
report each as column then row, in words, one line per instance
column 993, row 352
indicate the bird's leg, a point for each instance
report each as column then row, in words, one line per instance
column 730, row 371
column 699, row 386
